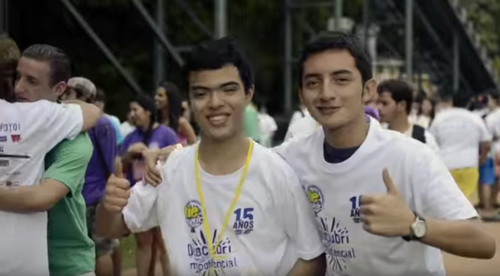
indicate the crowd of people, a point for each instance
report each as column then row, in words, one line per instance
column 366, row 182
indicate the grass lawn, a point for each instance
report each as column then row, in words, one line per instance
column 128, row 252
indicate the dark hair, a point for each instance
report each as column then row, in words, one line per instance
column 433, row 104
column 100, row 96
column 9, row 57
column 174, row 105
column 60, row 68
column 148, row 104
column 338, row 41
column 461, row 100
column 215, row 54
column 400, row 92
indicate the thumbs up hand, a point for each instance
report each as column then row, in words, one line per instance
column 386, row 214
column 117, row 194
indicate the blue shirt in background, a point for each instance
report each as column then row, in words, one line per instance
column 116, row 126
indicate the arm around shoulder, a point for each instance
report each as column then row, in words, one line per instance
column 90, row 113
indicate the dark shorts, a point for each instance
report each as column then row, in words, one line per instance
column 103, row 246
column 487, row 172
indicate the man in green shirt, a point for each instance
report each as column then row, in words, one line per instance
column 42, row 74
column 71, row 251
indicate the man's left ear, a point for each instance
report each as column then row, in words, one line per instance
column 370, row 89
column 60, row 88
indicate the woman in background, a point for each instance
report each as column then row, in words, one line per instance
column 152, row 135
column 169, row 105
column 425, row 113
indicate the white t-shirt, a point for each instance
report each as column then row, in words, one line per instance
column 297, row 115
column 493, row 123
column 458, row 133
column 334, row 191
column 271, row 227
column 302, row 127
column 267, row 127
column 429, row 139
column 126, row 128
column 28, row 131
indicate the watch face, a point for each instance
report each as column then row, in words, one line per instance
column 420, row 229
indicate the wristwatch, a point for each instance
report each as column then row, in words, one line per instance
column 418, row 229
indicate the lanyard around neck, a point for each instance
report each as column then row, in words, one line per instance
column 206, row 228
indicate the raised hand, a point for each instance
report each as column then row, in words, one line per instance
column 117, row 194
column 386, row 214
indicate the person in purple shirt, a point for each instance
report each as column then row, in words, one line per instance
column 148, row 134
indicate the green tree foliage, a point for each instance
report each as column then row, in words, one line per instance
column 486, row 17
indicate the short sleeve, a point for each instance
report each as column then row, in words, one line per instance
column 70, row 163
column 55, row 122
column 141, row 213
column 298, row 218
column 440, row 197
column 63, row 121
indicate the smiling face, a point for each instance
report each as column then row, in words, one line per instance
column 161, row 99
column 218, row 100
column 140, row 116
column 332, row 88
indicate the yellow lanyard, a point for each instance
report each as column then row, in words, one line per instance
column 206, row 227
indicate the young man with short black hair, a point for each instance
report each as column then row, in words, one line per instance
column 385, row 203
column 227, row 205
column 395, row 99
